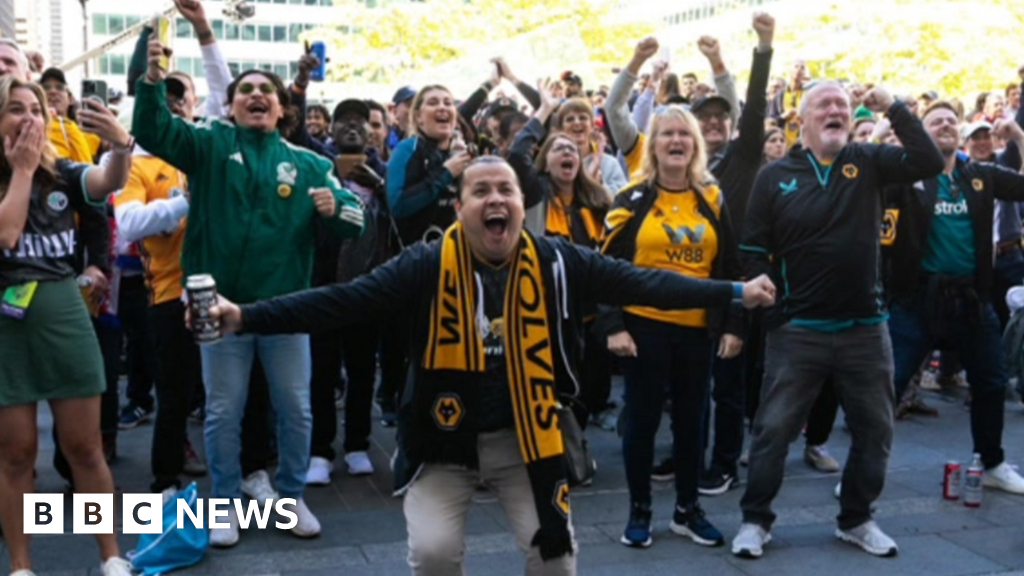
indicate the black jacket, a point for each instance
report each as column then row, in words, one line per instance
column 737, row 166
column 982, row 184
column 621, row 244
column 822, row 244
column 575, row 279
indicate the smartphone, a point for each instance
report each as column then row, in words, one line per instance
column 346, row 163
column 319, row 49
column 95, row 90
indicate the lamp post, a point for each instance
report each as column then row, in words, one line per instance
column 85, row 35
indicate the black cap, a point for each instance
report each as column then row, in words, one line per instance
column 351, row 106
column 502, row 105
column 175, row 87
column 53, row 74
column 702, row 102
column 404, row 94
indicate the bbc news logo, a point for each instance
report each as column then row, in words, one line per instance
column 144, row 513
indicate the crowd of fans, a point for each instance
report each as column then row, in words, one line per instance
column 749, row 262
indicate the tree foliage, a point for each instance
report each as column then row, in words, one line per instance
column 389, row 41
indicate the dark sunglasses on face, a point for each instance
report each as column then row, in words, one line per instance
column 174, row 102
column 265, row 88
column 560, row 148
column 720, row 116
column 54, row 87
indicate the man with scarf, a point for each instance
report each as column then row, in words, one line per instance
column 943, row 279
column 481, row 407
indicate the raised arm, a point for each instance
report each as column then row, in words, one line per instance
column 725, row 82
column 751, row 126
column 158, row 131
column 624, row 131
column 919, row 158
column 215, row 67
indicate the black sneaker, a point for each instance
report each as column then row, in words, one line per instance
column 664, row 471
column 638, row 530
column 690, row 522
column 388, row 413
column 715, row 483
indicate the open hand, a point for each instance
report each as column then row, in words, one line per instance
column 24, row 150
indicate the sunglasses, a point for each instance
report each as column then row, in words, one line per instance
column 560, row 148
column 721, row 116
column 265, row 88
column 55, row 87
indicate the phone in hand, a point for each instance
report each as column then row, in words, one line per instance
column 94, row 90
column 346, row 163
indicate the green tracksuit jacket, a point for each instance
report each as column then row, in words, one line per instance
column 251, row 218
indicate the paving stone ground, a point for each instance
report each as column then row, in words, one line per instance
column 364, row 532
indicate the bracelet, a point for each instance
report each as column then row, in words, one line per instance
column 127, row 148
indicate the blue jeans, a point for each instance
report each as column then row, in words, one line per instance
column 672, row 361
column 226, row 368
column 981, row 352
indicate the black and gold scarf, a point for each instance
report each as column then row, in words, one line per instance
column 455, row 347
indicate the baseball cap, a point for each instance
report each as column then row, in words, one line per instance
column 708, row 100
column 970, row 129
column 351, row 106
column 53, row 74
column 175, row 87
column 502, row 105
column 404, row 94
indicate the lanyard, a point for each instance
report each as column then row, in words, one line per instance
column 822, row 178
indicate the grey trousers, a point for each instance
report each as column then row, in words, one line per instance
column 437, row 502
column 797, row 362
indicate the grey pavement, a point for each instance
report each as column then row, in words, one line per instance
column 364, row 532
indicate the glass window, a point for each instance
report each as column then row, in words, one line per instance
column 295, row 1
column 281, row 70
column 197, row 68
column 327, row 2
column 249, row 65
column 182, row 28
column 312, row 2
column 235, row 68
column 132, row 20
column 293, row 69
column 105, row 59
column 218, row 29
column 267, row 66
column 248, row 32
column 280, row 33
column 99, row 23
column 280, row 1
column 117, row 64
column 293, row 32
column 265, row 33
column 230, row 31
column 115, row 24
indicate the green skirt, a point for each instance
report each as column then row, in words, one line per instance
column 51, row 353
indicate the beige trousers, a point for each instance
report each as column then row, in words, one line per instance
column 437, row 502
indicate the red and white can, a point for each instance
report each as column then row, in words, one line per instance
column 951, row 479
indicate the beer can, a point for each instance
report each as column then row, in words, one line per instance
column 972, row 483
column 202, row 295
column 951, row 481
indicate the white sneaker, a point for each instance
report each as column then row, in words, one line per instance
column 23, row 572
column 225, row 537
column 750, row 541
column 839, row 490
column 116, row 567
column 257, row 486
column 319, row 473
column 358, row 464
column 168, row 494
column 870, row 538
column 308, row 526
column 1005, row 478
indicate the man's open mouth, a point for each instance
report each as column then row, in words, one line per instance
column 496, row 223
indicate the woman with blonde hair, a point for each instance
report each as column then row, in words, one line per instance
column 674, row 218
column 575, row 117
column 49, row 349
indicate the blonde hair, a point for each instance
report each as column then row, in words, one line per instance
column 46, row 174
column 417, row 103
column 697, row 172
